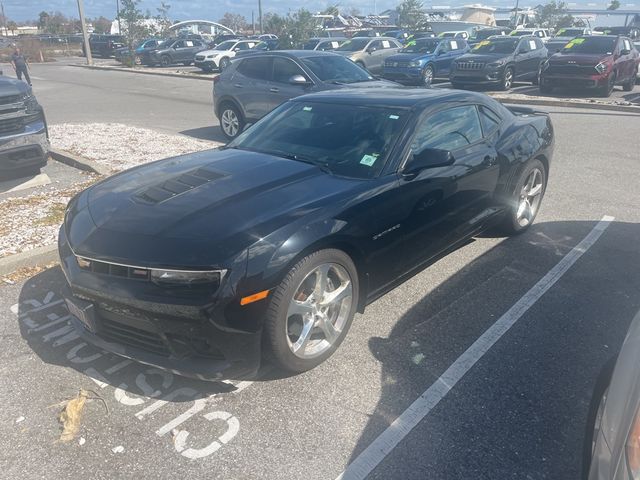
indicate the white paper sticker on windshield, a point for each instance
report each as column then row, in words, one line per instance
column 386, row 44
column 532, row 44
column 335, row 44
column 394, row 117
column 307, row 109
column 454, row 45
column 369, row 160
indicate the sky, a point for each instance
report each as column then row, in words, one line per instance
column 23, row 10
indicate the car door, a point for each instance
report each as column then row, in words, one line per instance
column 373, row 58
column 442, row 57
column 448, row 203
column 626, row 60
column 177, row 51
column 280, row 87
column 526, row 59
column 250, row 84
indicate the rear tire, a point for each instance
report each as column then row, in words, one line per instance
column 527, row 198
column 301, row 304
column 231, row 121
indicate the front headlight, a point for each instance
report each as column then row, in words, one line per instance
column 415, row 63
column 495, row 64
column 602, row 67
column 185, row 277
column 211, row 56
column 32, row 106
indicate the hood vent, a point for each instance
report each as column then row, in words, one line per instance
column 176, row 186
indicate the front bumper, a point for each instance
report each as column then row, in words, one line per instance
column 576, row 81
column 205, row 64
column 24, row 148
column 403, row 75
column 477, row 77
column 193, row 337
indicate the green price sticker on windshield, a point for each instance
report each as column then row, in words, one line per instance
column 482, row 44
column 575, row 41
column 410, row 44
column 369, row 160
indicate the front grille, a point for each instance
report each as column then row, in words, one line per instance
column 106, row 268
column 469, row 66
column 564, row 69
column 9, row 99
column 10, row 126
column 396, row 64
column 181, row 184
column 128, row 335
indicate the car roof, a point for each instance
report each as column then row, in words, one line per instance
column 392, row 97
column 376, row 38
column 298, row 53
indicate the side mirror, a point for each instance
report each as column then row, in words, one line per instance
column 299, row 80
column 370, row 50
column 625, row 52
column 428, row 158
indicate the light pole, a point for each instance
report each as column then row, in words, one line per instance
column 4, row 20
column 118, row 15
column 85, row 35
column 260, row 16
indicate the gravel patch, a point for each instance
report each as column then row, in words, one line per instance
column 118, row 146
column 32, row 221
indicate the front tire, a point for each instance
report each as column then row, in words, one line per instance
column 231, row 121
column 525, row 204
column 608, row 88
column 507, row 79
column 629, row 84
column 224, row 63
column 427, row 75
column 165, row 60
column 311, row 311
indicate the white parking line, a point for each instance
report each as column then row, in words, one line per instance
column 400, row 428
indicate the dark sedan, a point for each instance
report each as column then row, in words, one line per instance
column 204, row 263
column 500, row 61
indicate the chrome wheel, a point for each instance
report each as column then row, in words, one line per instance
column 530, row 197
column 508, row 79
column 427, row 75
column 230, row 123
column 319, row 310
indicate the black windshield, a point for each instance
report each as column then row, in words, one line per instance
column 422, row 45
column 597, row 45
column 507, row 45
column 346, row 140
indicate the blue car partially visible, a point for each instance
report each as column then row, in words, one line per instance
column 423, row 60
column 123, row 55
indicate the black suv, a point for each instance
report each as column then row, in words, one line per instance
column 500, row 61
column 104, row 45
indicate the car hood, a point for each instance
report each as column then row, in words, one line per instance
column 11, row 87
column 483, row 57
column 241, row 197
column 367, row 84
column 588, row 59
column 407, row 57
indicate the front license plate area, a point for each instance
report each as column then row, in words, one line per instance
column 84, row 312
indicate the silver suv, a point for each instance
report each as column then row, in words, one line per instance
column 257, row 83
column 370, row 52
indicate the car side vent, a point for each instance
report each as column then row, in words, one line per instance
column 176, row 186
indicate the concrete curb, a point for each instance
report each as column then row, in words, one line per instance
column 78, row 162
column 143, row 72
column 568, row 104
column 30, row 258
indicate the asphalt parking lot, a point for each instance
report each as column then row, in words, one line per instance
column 517, row 410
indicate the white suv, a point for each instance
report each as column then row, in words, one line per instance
column 220, row 57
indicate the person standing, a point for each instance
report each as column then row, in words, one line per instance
column 20, row 65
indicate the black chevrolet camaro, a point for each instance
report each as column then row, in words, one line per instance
column 206, row 263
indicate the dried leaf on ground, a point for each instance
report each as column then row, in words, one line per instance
column 71, row 416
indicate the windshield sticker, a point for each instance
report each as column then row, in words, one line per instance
column 386, row 44
column 369, row 160
column 394, row 117
column 560, row 32
column 454, row 45
column 335, row 44
column 307, row 109
column 412, row 43
column 575, row 41
column 532, row 44
column 482, row 44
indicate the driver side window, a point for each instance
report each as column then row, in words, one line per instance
column 450, row 129
column 284, row 69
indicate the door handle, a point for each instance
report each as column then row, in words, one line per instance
column 238, row 85
column 274, row 89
